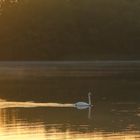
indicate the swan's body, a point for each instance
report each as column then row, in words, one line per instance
column 84, row 105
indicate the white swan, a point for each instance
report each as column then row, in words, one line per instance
column 84, row 105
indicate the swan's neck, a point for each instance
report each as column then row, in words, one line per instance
column 89, row 99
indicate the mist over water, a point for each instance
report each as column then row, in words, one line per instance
column 54, row 81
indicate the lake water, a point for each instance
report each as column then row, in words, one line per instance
column 37, row 100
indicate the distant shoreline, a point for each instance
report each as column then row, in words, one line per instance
column 73, row 62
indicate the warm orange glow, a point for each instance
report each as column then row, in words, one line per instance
column 39, row 133
column 14, row 128
column 20, row 130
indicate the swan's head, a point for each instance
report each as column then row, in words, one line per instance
column 89, row 94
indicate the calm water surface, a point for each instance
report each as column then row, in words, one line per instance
column 37, row 100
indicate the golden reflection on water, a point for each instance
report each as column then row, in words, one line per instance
column 13, row 128
column 38, row 132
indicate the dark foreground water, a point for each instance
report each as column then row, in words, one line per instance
column 37, row 100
